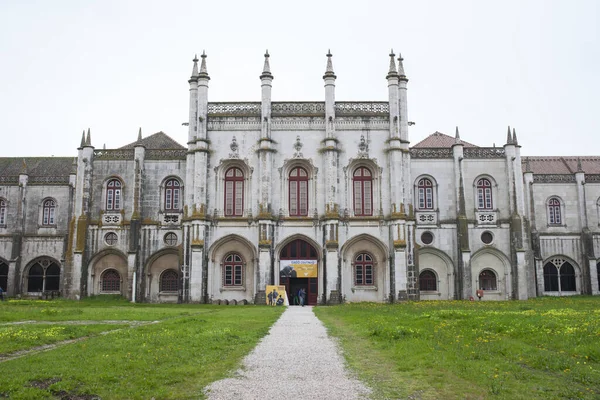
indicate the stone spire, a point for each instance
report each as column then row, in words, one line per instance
column 393, row 72
column 88, row 140
column 509, row 137
column 514, row 137
column 195, row 68
column 82, row 139
column 457, row 136
column 267, row 68
column 329, row 70
column 139, row 139
column 401, row 68
column 579, row 167
column 203, row 72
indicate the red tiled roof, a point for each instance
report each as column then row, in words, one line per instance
column 438, row 139
column 561, row 165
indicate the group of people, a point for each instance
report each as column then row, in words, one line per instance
column 276, row 299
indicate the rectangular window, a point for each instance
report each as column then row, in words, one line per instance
column 175, row 199
column 168, row 199
column 117, row 199
column 359, row 275
column 358, row 203
column 368, row 195
column 421, row 198
column 239, row 197
column 228, row 275
column 229, row 198
column 368, row 274
column 237, row 280
column 428, row 198
column 46, row 216
column 303, row 198
column 2, row 215
column 293, row 199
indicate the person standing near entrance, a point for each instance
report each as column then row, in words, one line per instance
column 1, row 294
column 302, row 296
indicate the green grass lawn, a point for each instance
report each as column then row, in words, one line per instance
column 127, row 351
column 545, row 348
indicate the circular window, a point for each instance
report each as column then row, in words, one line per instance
column 170, row 239
column 111, row 238
column 427, row 238
column 487, row 237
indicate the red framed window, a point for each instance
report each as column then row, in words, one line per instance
column 169, row 281
column 298, row 182
column 233, row 270
column 362, row 181
column 111, row 281
column 172, row 195
column 234, row 192
column 49, row 212
column 487, row 280
column 554, row 216
column 427, row 281
column 425, row 191
column 364, row 270
column 484, row 194
column 113, row 195
column 2, row 212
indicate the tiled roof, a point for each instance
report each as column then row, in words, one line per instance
column 438, row 139
column 157, row 141
column 561, row 165
column 37, row 166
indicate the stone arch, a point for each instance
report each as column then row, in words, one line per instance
column 46, row 282
column 103, row 261
column 376, row 171
column 156, row 265
column 163, row 193
column 365, row 243
column 441, row 264
column 434, row 190
column 220, row 170
column 489, row 258
column 284, row 179
column 218, row 250
column 554, row 260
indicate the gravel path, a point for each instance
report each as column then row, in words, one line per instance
column 296, row 360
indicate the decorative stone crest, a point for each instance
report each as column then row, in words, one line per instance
column 363, row 149
column 298, row 147
column 234, row 149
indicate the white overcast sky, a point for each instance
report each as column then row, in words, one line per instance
column 115, row 66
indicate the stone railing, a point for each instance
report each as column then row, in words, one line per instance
column 9, row 179
column 426, row 217
column 111, row 218
column 483, row 152
column 48, row 180
column 486, row 217
column 249, row 109
column 595, row 178
column 118, row 154
column 555, row 178
column 440, row 152
column 166, row 154
column 359, row 108
column 298, row 108
column 170, row 218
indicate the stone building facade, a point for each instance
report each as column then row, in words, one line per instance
column 325, row 195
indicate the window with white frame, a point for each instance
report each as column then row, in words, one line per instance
column 362, row 181
column 554, row 214
column 484, row 194
column 425, row 193
column 49, row 212
column 172, row 195
column 113, row 195
column 234, row 192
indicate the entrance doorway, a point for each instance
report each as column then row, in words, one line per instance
column 299, row 269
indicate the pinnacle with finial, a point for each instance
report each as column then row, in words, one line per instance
column 457, row 135
column 508, row 136
column 82, row 139
column 515, row 141
column 140, row 135
column 195, row 67
column 88, row 140
column 393, row 72
column 329, row 70
column 267, row 67
column 203, row 71
column 401, row 66
column 579, row 167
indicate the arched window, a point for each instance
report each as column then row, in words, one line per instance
column 233, row 270
column 298, row 182
column 43, row 276
column 550, row 278
column 364, row 270
column 110, row 281
column 425, row 189
column 363, row 192
column 554, row 217
column 169, row 281
column 113, row 195
column 427, row 281
column 2, row 212
column 234, row 192
column 172, row 195
column 487, row 280
column 3, row 275
column 559, row 276
column 484, row 194
column 49, row 211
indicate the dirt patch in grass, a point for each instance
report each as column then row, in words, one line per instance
column 44, row 384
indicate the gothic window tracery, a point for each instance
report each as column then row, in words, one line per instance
column 43, row 276
column 113, row 195
column 559, row 276
column 425, row 193
column 363, row 191
column 234, row 192
column 484, row 194
column 48, row 212
column 298, row 192
column 364, row 270
column 172, row 195
column 233, row 270
column 554, row 212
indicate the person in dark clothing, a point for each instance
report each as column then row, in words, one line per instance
column 302, row 296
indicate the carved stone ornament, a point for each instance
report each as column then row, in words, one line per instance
column 298, row 147
column 363, row 148
column 234, row 149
